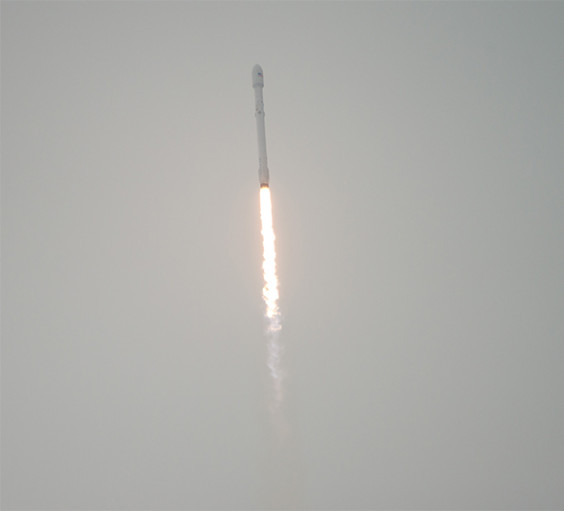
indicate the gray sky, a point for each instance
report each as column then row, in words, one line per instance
column 416, row 162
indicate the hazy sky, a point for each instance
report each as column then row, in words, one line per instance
column 417, row 171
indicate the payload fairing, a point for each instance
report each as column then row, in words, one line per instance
column 258, row 84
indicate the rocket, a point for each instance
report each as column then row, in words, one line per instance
column 258, row 84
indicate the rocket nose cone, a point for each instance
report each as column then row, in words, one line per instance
column 258, row 79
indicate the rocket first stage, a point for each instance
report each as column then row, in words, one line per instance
column 258, row 84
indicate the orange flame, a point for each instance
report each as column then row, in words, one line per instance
column 270, row 289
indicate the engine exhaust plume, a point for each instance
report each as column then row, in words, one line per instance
column 270, row 294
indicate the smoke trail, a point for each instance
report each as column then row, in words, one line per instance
column 270, row 296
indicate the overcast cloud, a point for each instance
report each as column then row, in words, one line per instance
column 417, row 173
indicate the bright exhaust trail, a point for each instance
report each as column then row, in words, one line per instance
column 270, row 294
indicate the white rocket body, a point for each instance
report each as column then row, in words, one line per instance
column 258, row 84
